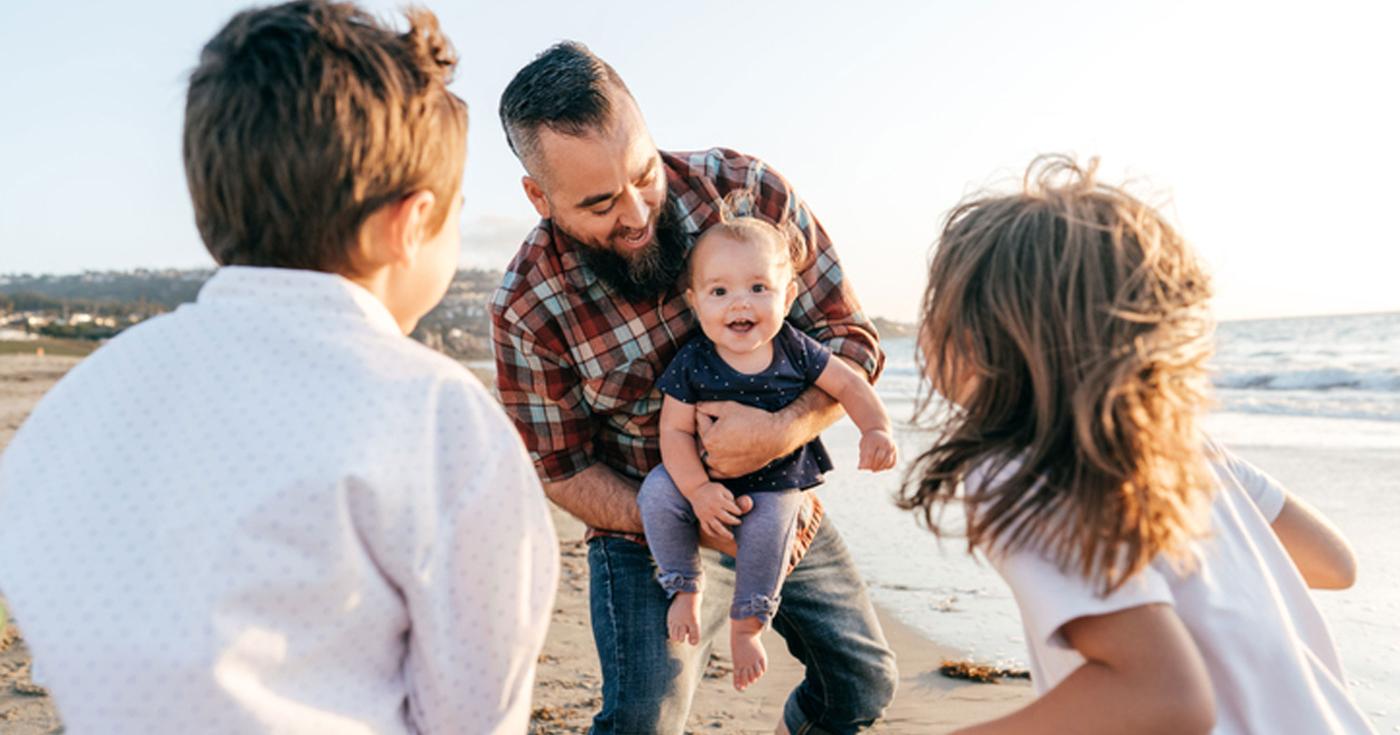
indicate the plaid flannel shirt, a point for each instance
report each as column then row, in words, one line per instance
column 576, row 364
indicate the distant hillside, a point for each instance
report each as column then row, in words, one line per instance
column 889, row 328
column 460, row 326
column 163, row 288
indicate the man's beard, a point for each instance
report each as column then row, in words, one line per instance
column 650, row 271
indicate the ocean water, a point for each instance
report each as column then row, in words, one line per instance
column 1314, row 402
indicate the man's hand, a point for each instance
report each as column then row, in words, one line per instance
column 877, row 451
column 715, row 509
column 736, row 439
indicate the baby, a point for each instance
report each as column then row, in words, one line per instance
column 741, row 284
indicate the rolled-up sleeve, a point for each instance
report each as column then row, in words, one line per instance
column 541, row 394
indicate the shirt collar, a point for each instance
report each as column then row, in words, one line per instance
column 297, row 290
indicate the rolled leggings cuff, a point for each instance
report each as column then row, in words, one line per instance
column 675, row 582
column 762, row 607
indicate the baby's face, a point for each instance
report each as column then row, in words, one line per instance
column 740, row 291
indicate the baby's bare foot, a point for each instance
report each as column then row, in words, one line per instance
column 750, row 659
column 683, row 618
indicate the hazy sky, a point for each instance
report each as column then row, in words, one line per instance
column 1271, row 131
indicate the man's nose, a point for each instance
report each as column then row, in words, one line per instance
column 635, row 213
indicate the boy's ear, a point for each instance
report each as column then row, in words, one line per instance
column 791, row 293
column 411, row 224
column 392, row 234
column 535, row 194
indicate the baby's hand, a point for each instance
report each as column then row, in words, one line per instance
column 715, row 509
column 877, row 451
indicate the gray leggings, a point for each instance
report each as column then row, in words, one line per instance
column 765, row 541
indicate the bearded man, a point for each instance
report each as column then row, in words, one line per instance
column 586, row 318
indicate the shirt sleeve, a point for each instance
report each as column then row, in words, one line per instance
column 675, row 381
column 480, row 583
column 1050, row 597
column 813, row 355
column 1267, row 493
column 826, row 307
column 542, row 395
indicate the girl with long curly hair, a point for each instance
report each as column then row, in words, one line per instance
column 1162, row 581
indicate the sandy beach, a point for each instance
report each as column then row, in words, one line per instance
column 569, row 687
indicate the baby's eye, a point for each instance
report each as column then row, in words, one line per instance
column 759, row 288
column 718, row 291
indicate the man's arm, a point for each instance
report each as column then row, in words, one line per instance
column 740, row 439
column 600, row 497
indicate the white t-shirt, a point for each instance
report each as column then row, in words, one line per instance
column 269, row 511
column 1272, row 663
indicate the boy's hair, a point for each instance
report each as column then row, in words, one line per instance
column 739, row 221
column 567, row 89
column 1071, row 322
column 302, row 119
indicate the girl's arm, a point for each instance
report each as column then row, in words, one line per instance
column 1316, row 547
column 857, row 396
column 1142, row 674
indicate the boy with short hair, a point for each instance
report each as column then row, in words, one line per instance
column 270, row 511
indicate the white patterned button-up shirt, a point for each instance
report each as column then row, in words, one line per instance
column 272, row 512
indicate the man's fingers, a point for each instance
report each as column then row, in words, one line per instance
column 703, row 423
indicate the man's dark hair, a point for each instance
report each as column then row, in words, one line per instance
column 566, row 89
column 302, row 119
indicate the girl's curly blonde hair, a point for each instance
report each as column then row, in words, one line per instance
column 1070, row 322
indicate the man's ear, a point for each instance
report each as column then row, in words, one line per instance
column 536, row 196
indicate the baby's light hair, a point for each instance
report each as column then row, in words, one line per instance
column 740, row 221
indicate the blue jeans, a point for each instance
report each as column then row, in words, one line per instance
column 825, row 618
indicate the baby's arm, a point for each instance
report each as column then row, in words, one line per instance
column 857, row 396
column 1316, row 547
column 713, row 504
column 1142, row 674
